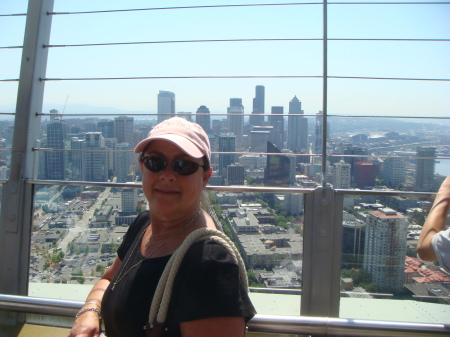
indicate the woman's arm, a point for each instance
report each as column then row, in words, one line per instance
column 435, row 222
column 214, row 327
column 88, row 323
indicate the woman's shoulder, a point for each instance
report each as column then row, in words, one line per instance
column 209, row 250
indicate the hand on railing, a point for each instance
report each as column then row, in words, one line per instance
column 87, row 324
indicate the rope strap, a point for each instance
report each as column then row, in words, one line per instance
column 163, row 293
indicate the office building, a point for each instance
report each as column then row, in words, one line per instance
column 276, row 120
column 235, row 174
column 106, row 127
column 122, row 162
column 353, row 238
column 124, row 130
column 56, row 133
column 203, row 118
column 166, row 105
column 365, row 174
column 293, row 203
column 393, row 171
column 227, row 143
column 318, row 133
column 236, row 119
column 277, row 171
column 341, row 175
column 297, row 136
column 129, row 200
column 78, row 159
column 96, row 160
column 425, row 169
column 257, row 117
column 385, row 248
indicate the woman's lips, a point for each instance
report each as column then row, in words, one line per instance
column 166, row 191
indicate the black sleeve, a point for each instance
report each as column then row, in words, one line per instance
column 208, row 285
column 141, row 220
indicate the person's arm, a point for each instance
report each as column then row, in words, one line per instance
column 435, row 222
column 88, row 323
column 214, row 327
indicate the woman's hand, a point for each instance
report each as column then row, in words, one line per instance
column 86, row 325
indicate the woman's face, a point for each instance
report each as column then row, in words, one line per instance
column 170, row 194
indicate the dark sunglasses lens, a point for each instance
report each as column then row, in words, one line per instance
column 185, row 167
column 154, row 164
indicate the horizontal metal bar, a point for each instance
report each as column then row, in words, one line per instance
column 323, row 326
column 175, row 77
column 254, row 189
column 387, row 193
column 260, row 323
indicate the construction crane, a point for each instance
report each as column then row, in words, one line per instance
column 64, row 108
column 46, row 255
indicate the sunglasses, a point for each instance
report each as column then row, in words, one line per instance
column 182, row 167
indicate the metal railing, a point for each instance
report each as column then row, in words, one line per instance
column 315, row 326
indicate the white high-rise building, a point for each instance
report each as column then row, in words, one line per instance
column 297, row 138
column 385, row 248
column 129, row 200
column 123, row 130
column 236, row 119
column 341, row 175
column 394, row 171
column 166, row 105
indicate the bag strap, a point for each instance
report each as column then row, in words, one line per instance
column 163, row 293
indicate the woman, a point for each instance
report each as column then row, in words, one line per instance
column 207, row 298
column 434, row 240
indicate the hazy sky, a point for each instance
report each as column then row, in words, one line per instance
column 427, row 60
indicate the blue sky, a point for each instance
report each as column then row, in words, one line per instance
column 346, row 58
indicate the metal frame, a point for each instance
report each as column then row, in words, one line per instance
column 17, row 199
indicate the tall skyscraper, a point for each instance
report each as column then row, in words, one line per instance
column 56, row 133
column 124, row 130
column 78, row 158
column 236, row 119
column 257, row 117
column 318, row 133
column 122, row 162
column 96, row 161
column 393, row 171
column 203, row 118
column 166, row 105
column 297, row 137
column 227, row 143
column 385, row 248
column 278, row 125
column 341, row 175
column 425, row 169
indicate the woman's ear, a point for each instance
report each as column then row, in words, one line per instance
column 206, row 175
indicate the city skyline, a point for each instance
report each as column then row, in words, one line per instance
column 393, row 59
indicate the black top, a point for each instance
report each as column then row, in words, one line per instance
column 207, row 285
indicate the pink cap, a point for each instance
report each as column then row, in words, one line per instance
column 188, row 136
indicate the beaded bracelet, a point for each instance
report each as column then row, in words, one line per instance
column 82, row 311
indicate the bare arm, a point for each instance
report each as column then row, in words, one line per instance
column 88, row 323
column 214, row 327
column 435, row 222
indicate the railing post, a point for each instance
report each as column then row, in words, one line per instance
column 322, row 241
column 17, row 199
